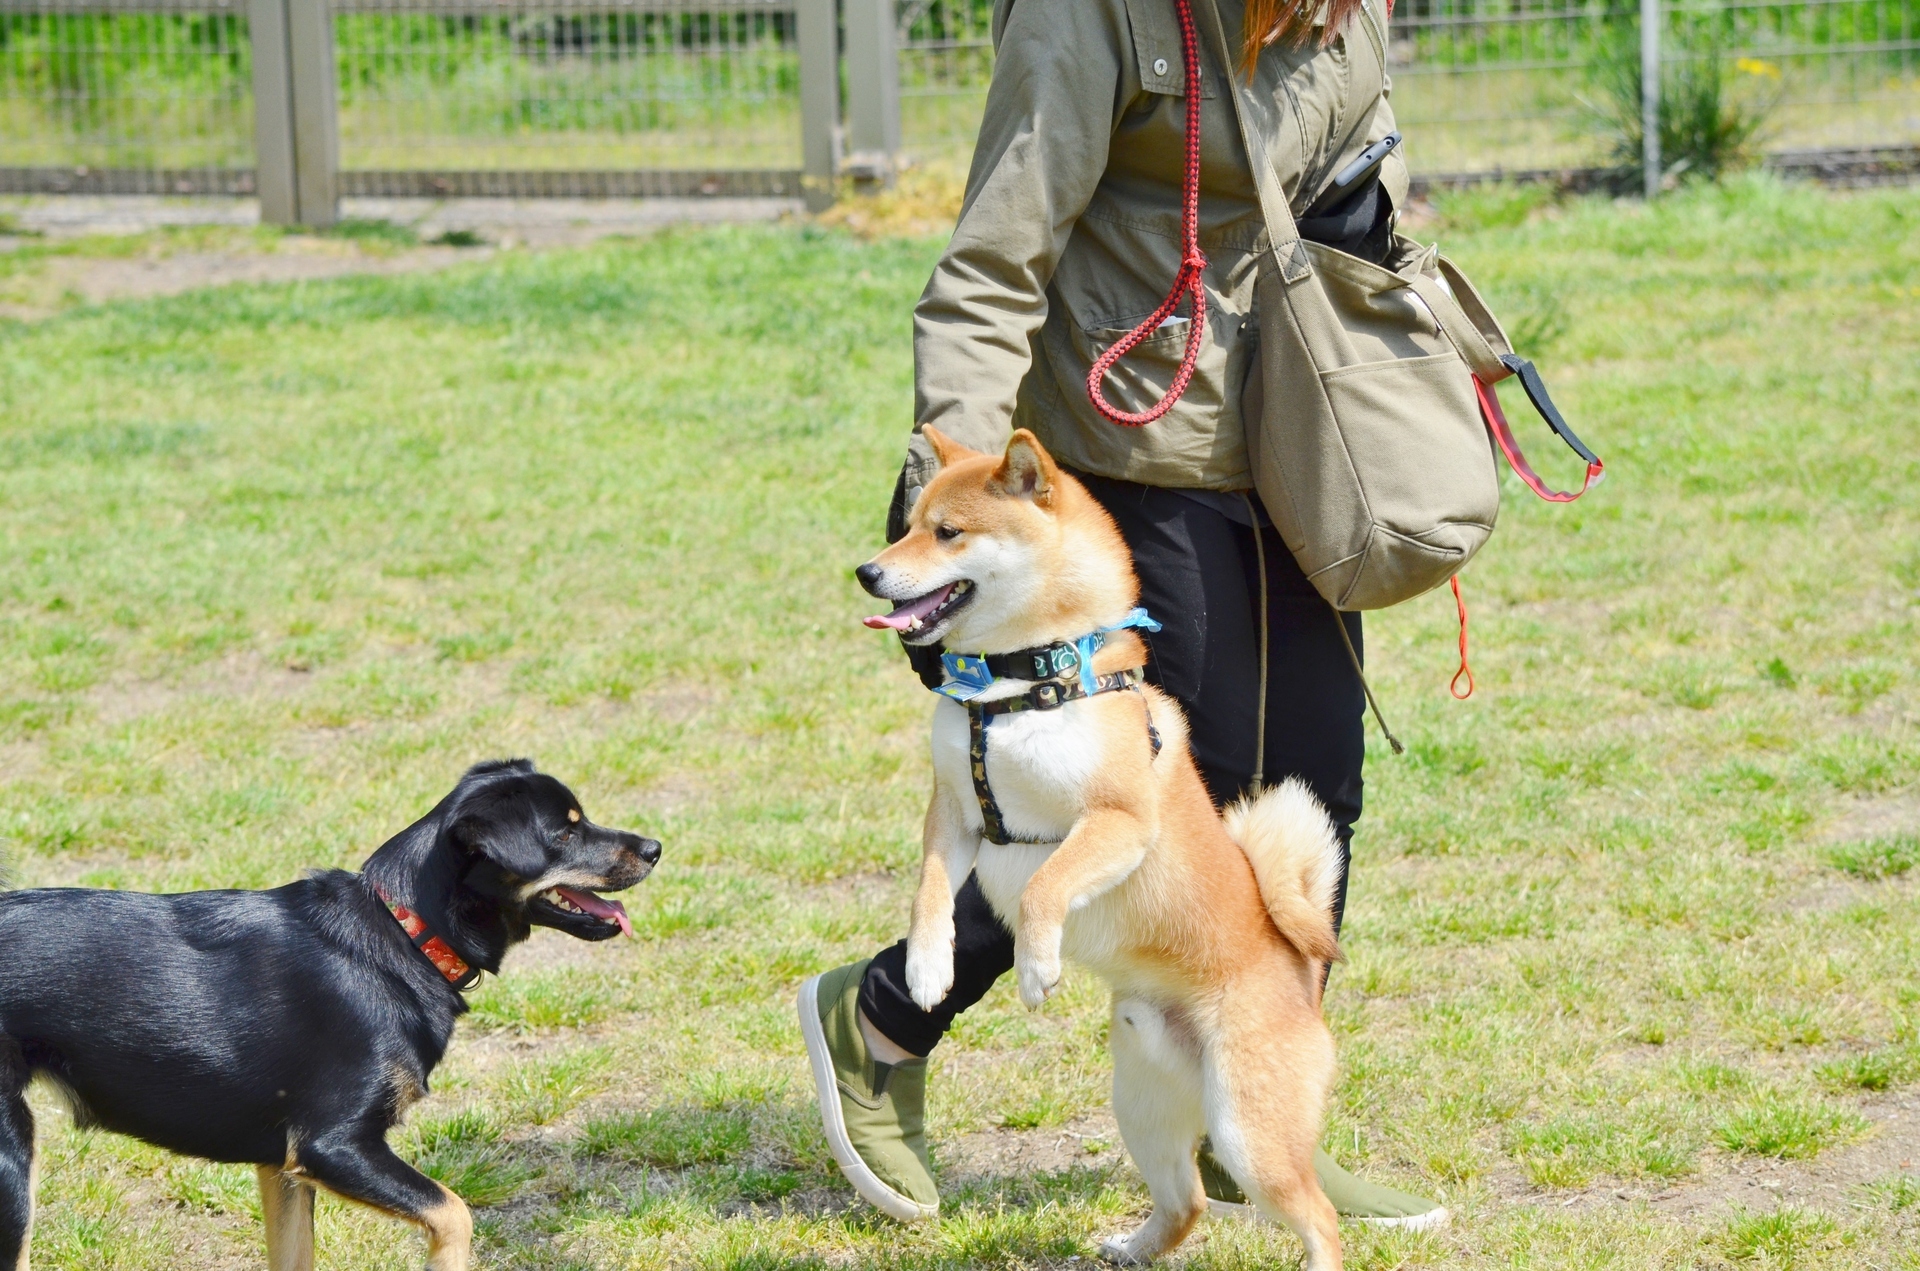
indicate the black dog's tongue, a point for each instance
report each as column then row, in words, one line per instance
column 605, row 910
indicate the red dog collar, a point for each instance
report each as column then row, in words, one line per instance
column 437, row 950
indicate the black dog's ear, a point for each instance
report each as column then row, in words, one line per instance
column 509, row 842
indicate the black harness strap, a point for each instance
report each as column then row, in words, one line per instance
column 1048, row 696
column 1043, row 662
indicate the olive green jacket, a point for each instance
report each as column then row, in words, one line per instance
column 1070, row 233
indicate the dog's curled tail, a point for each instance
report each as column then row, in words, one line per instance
column 1295, row 854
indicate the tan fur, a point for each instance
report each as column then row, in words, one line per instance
column 406, row 1087
column 287, row 1205
column 25, row 1261
column 1215, row 968
column 449, row 1228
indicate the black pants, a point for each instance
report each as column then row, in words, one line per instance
column 1199, row 576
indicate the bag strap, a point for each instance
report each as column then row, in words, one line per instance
column 1465, row 334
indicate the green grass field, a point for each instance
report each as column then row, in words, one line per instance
column 1634, row 927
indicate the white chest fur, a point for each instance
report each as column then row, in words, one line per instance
column 1039, row 764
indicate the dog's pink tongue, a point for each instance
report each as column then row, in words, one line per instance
column 903, row 617
column 605, row 910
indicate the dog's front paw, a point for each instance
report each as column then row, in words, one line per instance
column 929, row 973
column 1039, row 977
column 1119, row 1251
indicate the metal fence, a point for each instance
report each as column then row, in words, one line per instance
column 946, row 59
column 166, row 89
column 546, row 85
column 743, row 96
column 1530, row 84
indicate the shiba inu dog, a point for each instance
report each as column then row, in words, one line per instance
column 1213, row 933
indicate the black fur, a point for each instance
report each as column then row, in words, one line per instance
column 290, row 1025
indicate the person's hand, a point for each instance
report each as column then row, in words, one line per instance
column 923, row 658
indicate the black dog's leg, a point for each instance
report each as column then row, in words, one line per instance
column 365, row 1169
column 16, row 1159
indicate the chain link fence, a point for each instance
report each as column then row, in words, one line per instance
column 165, row 90
column 946, row 59
column 466, row 85
column 162, row 91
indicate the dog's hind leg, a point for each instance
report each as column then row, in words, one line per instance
column 365, row 1169
column 16, row 1159
column 287, row 1205
column 1157, row 1101
column 1268, row 1070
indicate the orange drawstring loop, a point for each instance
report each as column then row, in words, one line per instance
column 1453, row 685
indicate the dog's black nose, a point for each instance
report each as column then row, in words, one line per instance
column 870, row 575
column 650, row 851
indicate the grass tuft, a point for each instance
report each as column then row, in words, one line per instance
column 670, row 1137
column 1786, row 1237
column 1876, row 1070
column 469, row 1155
column 1877, row 858
column 1788, row 1130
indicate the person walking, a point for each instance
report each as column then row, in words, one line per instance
column 1069, row 236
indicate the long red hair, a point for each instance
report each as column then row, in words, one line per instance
column 1268, row 21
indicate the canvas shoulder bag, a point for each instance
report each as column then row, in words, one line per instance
column 1372, row 422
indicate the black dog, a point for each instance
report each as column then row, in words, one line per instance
column 290, row 1029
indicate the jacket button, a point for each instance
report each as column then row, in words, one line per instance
column 1159, row 66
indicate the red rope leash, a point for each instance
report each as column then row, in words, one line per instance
column 1453, row 685
column 1193, row 261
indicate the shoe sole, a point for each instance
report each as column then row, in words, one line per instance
column 1435, row 1219
column 827, row 1086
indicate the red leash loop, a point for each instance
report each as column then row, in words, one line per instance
column 1188, row 282
column 1453, row 685
column 1503, row 436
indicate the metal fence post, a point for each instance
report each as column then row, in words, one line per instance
column 296, row 120
column 1650, row 95
column 316, row 110
column 273, row 169
column 873, row 90
column 818, row 34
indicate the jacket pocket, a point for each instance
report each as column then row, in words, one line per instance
column 1142, row 377
column 1157, row 48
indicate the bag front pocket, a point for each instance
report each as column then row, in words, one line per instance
column 1424, row 465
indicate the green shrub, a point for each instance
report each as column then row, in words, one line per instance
column 1713, row 112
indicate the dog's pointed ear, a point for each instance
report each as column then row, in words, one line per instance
column 946, row 451
column 1027, row 471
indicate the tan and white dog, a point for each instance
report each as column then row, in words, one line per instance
column 1213, row 934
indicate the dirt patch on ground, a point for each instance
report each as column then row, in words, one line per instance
column 96, row 259
column 61, row 282
column 1829, row 1183
column 1823, row 1184
column 244, row 675
column 1090, row 1141
column 1875, row 818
